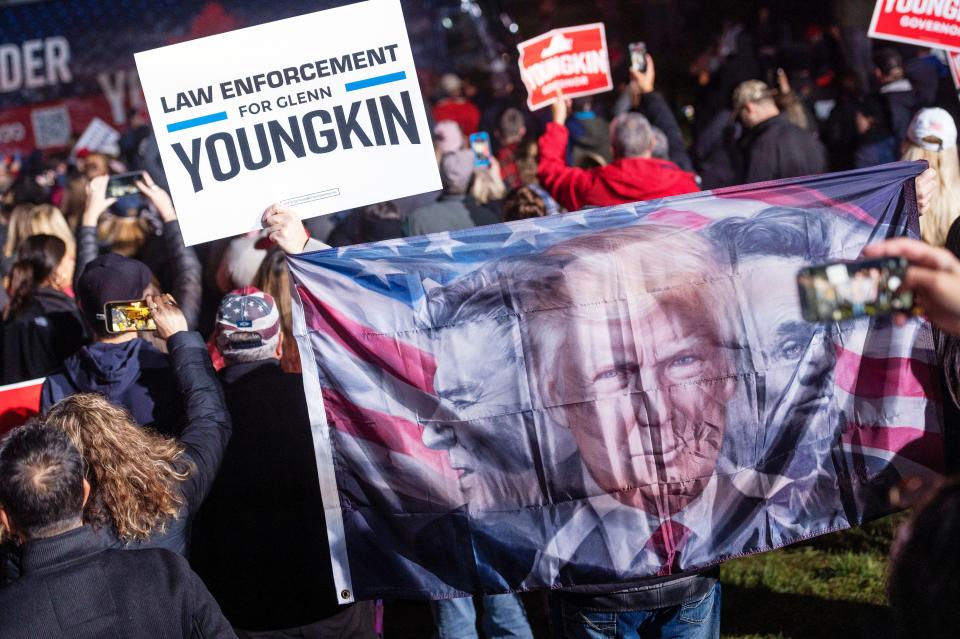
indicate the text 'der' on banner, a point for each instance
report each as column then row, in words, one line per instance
column 573, row 60
column 321, row 112
column 926, row 23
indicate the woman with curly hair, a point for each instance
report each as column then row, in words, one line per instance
column 146, row 487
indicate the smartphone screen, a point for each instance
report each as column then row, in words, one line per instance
column 123, row 317
column 480, row 143
column 638, row 56
column 124, row 184
column 845, row 290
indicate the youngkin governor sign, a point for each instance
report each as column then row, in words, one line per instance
column 321, row 112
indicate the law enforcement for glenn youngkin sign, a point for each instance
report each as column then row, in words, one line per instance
column 321, row 112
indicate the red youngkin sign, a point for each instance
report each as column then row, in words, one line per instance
column 930, row 23
column 573, row 60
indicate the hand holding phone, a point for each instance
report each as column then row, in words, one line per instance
column 638, row 56
column 128, row 316
column 124, row 184
column 933, row 276
column 480, row 144
column 847, row 290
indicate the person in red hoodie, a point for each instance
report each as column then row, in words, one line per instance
column 633, row 175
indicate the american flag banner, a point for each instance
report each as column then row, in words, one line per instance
column 610, row 395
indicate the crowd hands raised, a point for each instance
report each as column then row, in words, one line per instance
column 178, row 441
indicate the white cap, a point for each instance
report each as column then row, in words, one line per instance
column 933, row 130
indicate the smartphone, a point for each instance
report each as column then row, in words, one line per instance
column 124, row 184
column 480, row 143
column 123, row 317
column 846, row 290
column 638, row 56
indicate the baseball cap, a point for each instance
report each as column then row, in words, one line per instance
column 750, row 91
column 110, row 278
column 933, row 129
column 247, row 318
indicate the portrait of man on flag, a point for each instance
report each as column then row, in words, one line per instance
column 643, row 397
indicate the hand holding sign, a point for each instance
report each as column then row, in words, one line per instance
column 285, row 229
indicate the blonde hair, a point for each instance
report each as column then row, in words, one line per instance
column 273, row 279
column 40, row 219
column 125, row 235
column 135, row 471
column 945, row 207
column 487, row 187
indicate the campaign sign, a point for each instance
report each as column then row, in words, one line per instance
column 573, row 61
column 18, row 403
column 321, row 112
column 926, row 23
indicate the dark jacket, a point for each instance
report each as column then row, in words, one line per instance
column 133, row 374
column 204, row 438
column 266, row 490
column 776, row 149
column 41, row 336
column 658, row 112
column 73, row 587
column 901, row 102
column 175, row 265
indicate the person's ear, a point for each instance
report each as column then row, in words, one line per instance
column 86, row 493
column 5, row 521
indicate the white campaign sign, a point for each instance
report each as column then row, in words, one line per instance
column 322, row 112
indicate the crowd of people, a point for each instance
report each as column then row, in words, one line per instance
column 192, row 443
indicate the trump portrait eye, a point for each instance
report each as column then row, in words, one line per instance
column 791, row 349
column 615, row 377
column 685, row 366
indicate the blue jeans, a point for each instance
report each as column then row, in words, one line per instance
column 503, row 617
column 695, row 619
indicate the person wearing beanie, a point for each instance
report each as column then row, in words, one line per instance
column 127, row 369
column 932, row 136
column 276, row 575
column 449, row 212
column 772, row 148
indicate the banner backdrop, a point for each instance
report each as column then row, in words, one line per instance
column 608, row 395
column 78, row 54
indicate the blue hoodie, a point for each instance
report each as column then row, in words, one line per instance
column 133, row 374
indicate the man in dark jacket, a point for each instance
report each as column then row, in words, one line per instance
column 71, row 585
column 772, row 148
column 895, row 91
column 129, row 370
column 260, row 540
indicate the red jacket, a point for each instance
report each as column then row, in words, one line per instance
column 461, row 111
column 623, row 181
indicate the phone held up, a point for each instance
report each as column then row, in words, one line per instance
column 480, row 144
column 124, row 317
column 638, row 56
column 124, row 184
column 847, row 290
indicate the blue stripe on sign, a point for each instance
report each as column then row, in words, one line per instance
column 380, row 79
column 192, row 122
